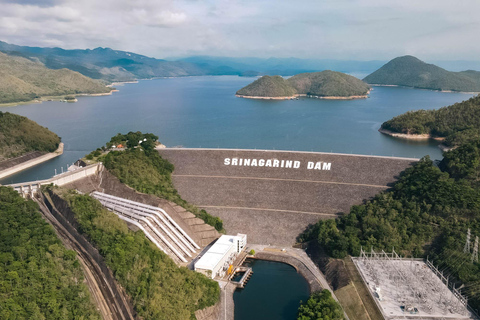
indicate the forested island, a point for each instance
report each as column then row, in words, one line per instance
column 20, row 135
column 409, row 71
column 23, row 80
column 455, row 124
column 326, row 84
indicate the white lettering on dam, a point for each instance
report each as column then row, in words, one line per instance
column 275, row 163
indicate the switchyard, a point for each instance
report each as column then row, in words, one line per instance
column 410, row 288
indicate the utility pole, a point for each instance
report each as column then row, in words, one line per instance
column 467, row 244
column 475, row 251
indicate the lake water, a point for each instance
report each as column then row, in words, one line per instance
column 273, row 292
column 204, row 112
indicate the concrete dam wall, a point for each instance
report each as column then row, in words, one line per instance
column 274, row 195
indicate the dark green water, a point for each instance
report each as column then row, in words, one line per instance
column 204, row 112
column 274, row 292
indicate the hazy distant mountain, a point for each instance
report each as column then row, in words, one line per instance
column 22, row 79
column 282, row 66
column 105, row 63
column 322, row 84
column 409, row 71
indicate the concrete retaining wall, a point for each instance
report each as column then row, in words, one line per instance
column 30, row 163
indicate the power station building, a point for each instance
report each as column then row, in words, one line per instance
column 218, row 259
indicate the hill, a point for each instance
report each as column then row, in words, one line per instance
column 23, row 79
column 105, row 63
column 458, row 123
column 19, row 135
column 409, row 71
column 426, row 212
column 268, row 86
column 39, row 277
column 326, row 84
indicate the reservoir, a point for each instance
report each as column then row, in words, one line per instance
column 204, row 112
column 274, row 292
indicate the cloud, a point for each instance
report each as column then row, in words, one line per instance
column 346, row 29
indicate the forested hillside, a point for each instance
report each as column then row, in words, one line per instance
column 458, row 123
column 409, row 71
column 427, row 212
column 24, row 79
column 158, row 287
column 19, row 135
column 268, row 86
column 39, row 278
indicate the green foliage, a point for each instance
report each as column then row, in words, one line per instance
column 133, row 139
column 251, row 252
column 159, row 289
column 320, row 306
column 22, row 79
column 411, row 72
column 458, row 123
column 39, row 278
column 268, row 86
column 427, row 212
column 323, row 84
column 328, row 84
column 19, row 135
column 147, row 172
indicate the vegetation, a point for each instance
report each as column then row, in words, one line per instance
column 328, row 84
column 409, row 71
column 251, row 252
column 143, row 169
column 268, row 86
column 19, row 135
column 39, row 278
column 458, row 123
column 320, row 306
column 22, row 79
column 159, row 289
column 323, row 84
column 427, row 212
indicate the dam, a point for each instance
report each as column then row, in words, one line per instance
column 274, row 195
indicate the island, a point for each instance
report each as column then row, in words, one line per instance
column 322, row 85
column 26, row 80
column 408, row 71
column 24, row 143
column 453, row 125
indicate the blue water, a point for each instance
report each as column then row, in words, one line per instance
column 204, row 112
column 274, row 292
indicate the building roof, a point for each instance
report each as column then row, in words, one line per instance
column 216, row 253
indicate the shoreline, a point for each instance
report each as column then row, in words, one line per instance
column 303, row 95
column 57, row 98
column 32, row 162
column 408, row 87
column 417, row 137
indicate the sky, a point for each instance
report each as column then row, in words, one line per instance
column 316, row 29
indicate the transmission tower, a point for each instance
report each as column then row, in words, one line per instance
column 475, row 250
column 467, row 244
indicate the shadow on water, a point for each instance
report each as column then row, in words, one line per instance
column 273, row 292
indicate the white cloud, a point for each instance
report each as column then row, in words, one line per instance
column 347, row 29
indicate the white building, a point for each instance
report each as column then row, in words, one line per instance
column 216, row 261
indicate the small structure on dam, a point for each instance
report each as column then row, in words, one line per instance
column 257, row 190
column 218, row 259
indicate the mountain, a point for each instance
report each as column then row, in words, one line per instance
column 322, row 84
column 409, row 71
column 328, row 84
column 23, row 79
column 105, row 63
column 19, row 135
column 458, row 123
column 268, row 86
